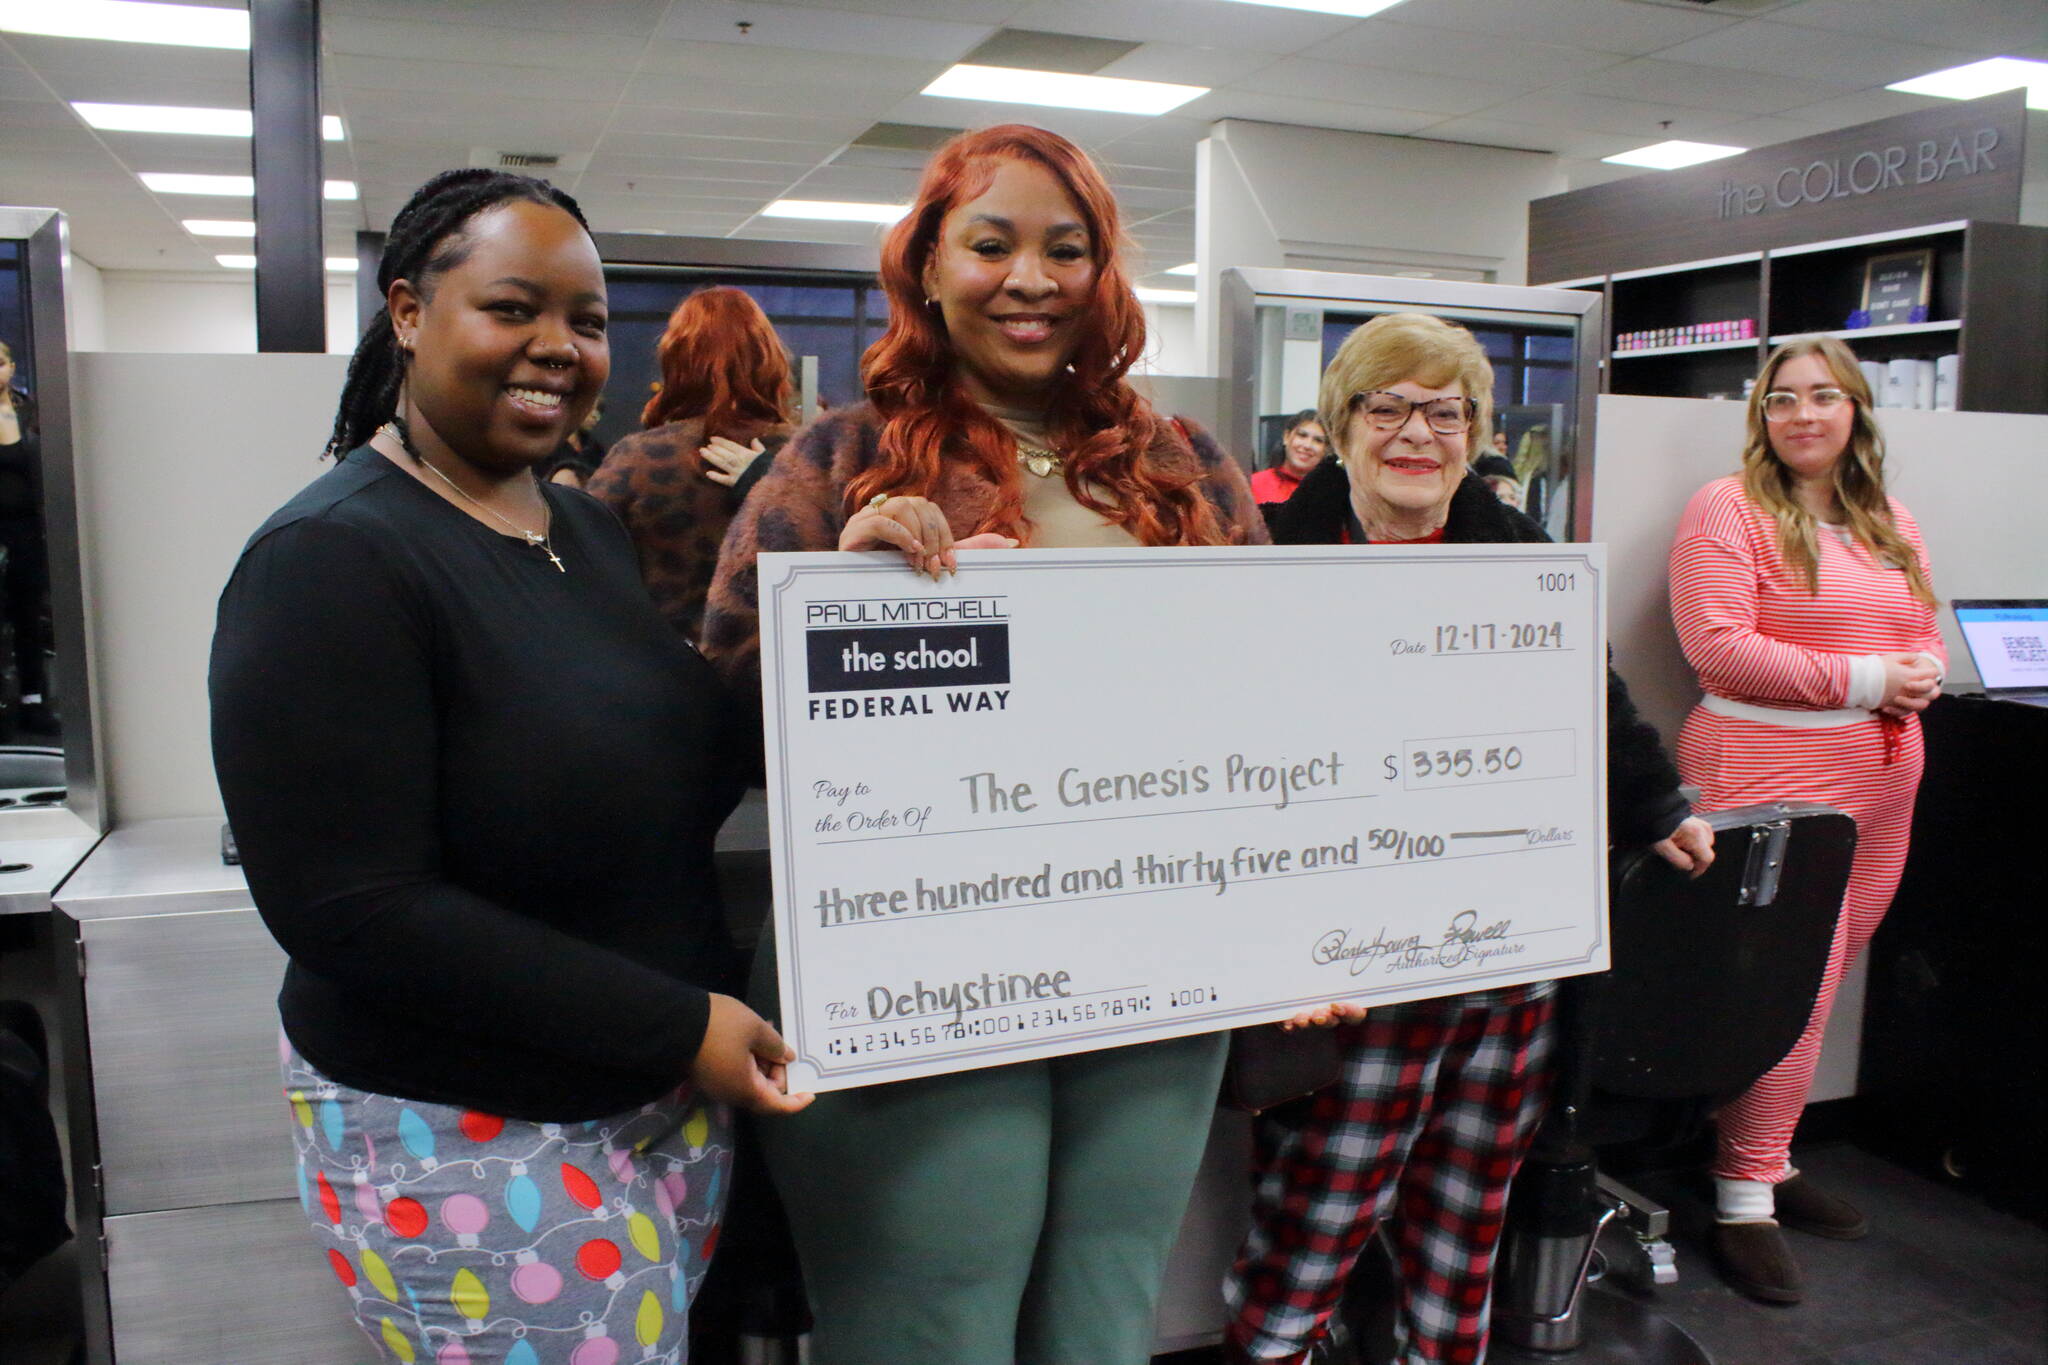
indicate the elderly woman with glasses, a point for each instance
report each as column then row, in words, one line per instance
column 1437, row 1099
column 1801, row 596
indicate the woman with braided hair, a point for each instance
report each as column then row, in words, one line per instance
column 507, row 1051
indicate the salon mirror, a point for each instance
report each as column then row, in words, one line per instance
column 1279, row 328
column 49, row 765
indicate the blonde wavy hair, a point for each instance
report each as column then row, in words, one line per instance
column 1859, row 473
column 1397, row 346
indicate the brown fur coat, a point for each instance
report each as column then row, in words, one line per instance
column 654, row 480
column 800, row 506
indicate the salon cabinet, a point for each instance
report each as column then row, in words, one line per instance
column 194, row 1247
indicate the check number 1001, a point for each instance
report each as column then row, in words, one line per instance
column 1480, row 759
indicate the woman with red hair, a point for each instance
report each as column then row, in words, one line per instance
column 720, row 410
column 1020, row 1212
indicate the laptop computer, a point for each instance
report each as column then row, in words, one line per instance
column 2008, row 641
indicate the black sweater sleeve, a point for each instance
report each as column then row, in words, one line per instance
column 1643, row 801
column 325, row 737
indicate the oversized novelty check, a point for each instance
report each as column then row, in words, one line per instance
column 1080, row 799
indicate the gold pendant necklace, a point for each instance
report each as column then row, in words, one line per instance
column 1040, row 461
column 541, row 540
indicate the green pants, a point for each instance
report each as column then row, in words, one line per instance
column 1016, row 1215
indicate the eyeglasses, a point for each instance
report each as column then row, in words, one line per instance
column 1780, row 406
column 1390, row 411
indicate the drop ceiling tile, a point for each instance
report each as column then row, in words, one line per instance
column 64, row 57
column 1656, row 80
column 1753, row 133
column 787, row 79
column 1596, row 25
column 877, row 184
column 1180, row 65
column 662, row 121
column 679, row 168
column 1310, row 113
column 619, row 18
column 794, row 27
column 1991, row 26
column 1489, row 131
column 344, row 34
column 388, row 75
column 1594, row 113
column 1085, row 126
column 1864, row 106
column 990, row 12
column 1168, row 140
column 1392, row 42
column 1148, row 177
column 796, row 230
column 1415, row 91
column 1206, row 23
column 1850, row 59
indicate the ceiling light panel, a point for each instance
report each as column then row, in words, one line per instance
column 1146, row 294
column 1357, row 9
column 169, row 118
column 128, row 21
column 220, row 227
column 238, row 186
column 1989, row 77
column 835, row 211
column 1670, row 156
column 339, row 265
column 1061, row 90
column 1189, row 269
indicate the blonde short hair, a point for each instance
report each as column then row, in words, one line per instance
column 1394, row 347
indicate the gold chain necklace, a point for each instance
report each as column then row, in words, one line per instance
column 541, row 540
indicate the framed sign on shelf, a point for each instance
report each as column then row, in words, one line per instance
column 1897, row 286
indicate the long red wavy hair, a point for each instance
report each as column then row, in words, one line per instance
column 720, row 360
column 1096, row 418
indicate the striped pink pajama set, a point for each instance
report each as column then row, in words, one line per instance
column 1775, row 660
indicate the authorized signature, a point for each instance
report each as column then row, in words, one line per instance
column 1464, row 941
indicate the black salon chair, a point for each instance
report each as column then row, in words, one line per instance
column 1713, row 980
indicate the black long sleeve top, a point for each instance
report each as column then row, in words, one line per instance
column 475, row 798
column 1643, row 800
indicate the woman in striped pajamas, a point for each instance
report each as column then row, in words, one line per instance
column 1801, row 596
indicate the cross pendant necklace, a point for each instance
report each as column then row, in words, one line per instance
column 542, row 540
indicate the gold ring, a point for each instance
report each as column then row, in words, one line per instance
column 878, row 499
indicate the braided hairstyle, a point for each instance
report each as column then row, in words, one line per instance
column 426, row 239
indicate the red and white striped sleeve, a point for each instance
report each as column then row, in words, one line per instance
column 1714, row 607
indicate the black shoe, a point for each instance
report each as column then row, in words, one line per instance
column 1805, row 1207
column 1755, row 1261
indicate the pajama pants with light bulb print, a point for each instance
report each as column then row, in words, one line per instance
column 462, row 1238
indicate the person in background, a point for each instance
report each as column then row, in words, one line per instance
column 725, row 397
column 575, row 460
column 1499, row 473
column 24, row 560
column 507, row 1055
column 1017, row 1212
column 1802, row 597
column 1302, row 447
column 1438, row 1099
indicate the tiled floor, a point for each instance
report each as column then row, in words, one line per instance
column 1940, row 1280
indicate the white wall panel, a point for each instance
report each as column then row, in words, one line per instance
column 179, row 458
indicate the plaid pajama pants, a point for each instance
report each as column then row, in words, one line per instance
column 1426, row 1127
